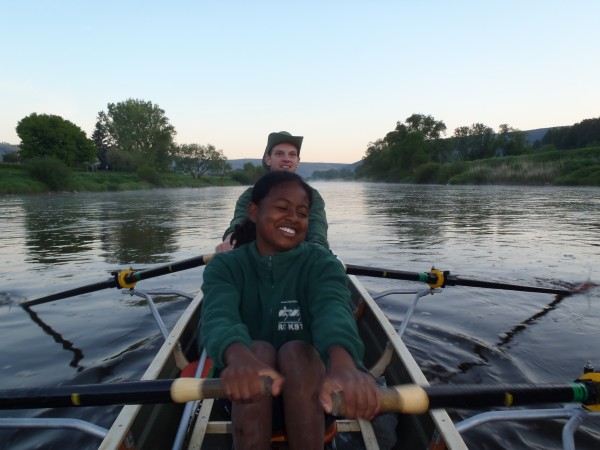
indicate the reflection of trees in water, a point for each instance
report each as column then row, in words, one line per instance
column 58, row 227
column 141, row 238
column 139, row 235
column 55, row 229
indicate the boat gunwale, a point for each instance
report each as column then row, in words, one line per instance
column 126, row 418
column 443, row 422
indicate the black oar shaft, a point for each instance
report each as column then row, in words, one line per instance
column 72, row 292
column 456, row 281
column 482, row 396
column 129, row 279
column 414, row 399
column 169, row 268
column 449, row 280
column 131, row 393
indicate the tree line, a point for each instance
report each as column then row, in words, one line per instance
column 133, row 135
column 417, row 151
column 136, row 136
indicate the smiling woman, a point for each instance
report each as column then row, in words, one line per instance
column 281, row 202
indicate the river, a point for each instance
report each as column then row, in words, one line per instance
column 540, row 236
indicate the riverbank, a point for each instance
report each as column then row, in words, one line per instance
column 579, row 167
column 14, row 179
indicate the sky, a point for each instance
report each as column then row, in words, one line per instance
column 339, row 73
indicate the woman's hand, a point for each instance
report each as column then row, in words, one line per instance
column 225, row 246
column 361, row 396
column 244, row 377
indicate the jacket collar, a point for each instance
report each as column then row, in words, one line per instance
column 278, row 261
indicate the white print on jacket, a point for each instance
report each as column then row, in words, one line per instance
column 289, row 315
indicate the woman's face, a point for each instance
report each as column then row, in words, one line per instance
column 281, row 218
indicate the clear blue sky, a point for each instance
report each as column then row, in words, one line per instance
column 340, row 73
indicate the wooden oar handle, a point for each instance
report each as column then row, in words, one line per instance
column 190, row 389
column 407, row 399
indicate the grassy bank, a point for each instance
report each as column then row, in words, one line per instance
column 557, row 167
column 14, row 179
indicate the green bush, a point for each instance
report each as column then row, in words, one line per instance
column 427, row 173
column 150, row 175
column 50, row 171
column 11, row 157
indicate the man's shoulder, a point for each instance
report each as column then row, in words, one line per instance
column 314, row 191
column 246, row 193
column 316, row 251
column 235, row 257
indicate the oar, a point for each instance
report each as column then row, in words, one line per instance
column 437, row 278
column 180, row 390
column 406, row 399
column 125, row 279
column 414, row 399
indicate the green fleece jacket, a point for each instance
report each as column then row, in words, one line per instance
column 300, row 294
column 317, row 219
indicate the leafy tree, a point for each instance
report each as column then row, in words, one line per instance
column 431, row 128
column 102, row 139
column 475, row 142
column 46, row 135
column 122, row 161
column 510, row 141
column 583, row 134
column 139, row 129
column 376, row 161
column 249, row 174
column 219, row 167
column 333, row 174
column 197, row 159
column 411, row 144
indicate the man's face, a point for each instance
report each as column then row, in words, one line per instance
column 283, row 157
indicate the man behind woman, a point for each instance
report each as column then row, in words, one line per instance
column 281, row 154
column 278, row 306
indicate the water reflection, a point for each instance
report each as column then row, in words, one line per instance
column 59, row 227
column 53, row 233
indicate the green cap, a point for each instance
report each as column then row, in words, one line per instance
column 280, row 138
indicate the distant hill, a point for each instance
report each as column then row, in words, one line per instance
column 536, row 135
column 305, row 169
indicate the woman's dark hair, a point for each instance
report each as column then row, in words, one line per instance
column 246, row 231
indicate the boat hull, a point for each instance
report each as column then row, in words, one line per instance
column 155, row 426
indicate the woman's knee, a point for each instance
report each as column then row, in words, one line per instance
column 295, row 356
column 264, row 351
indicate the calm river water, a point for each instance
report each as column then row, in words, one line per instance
column 541, row 236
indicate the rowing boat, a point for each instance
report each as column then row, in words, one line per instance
column 201, row 425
